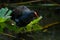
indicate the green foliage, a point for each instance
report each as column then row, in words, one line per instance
column 4, row 23
column 33, row 23
column 4, row 14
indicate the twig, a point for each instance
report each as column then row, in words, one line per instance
column 22, row 2
column 7, row 34
column 27, row 2
column 49, row 25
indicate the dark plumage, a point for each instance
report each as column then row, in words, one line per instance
column 22, row 15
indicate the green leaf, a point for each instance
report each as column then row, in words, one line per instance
column 3, row 11
column 9, row 13
column 2, row 19
column 4, row 14
column 34, row 22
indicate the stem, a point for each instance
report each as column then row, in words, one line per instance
column 7, row 34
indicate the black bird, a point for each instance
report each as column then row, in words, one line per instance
column 23, row 15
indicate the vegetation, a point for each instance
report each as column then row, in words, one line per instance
column 40, row 28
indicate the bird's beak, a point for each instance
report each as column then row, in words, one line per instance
column 36, row 14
